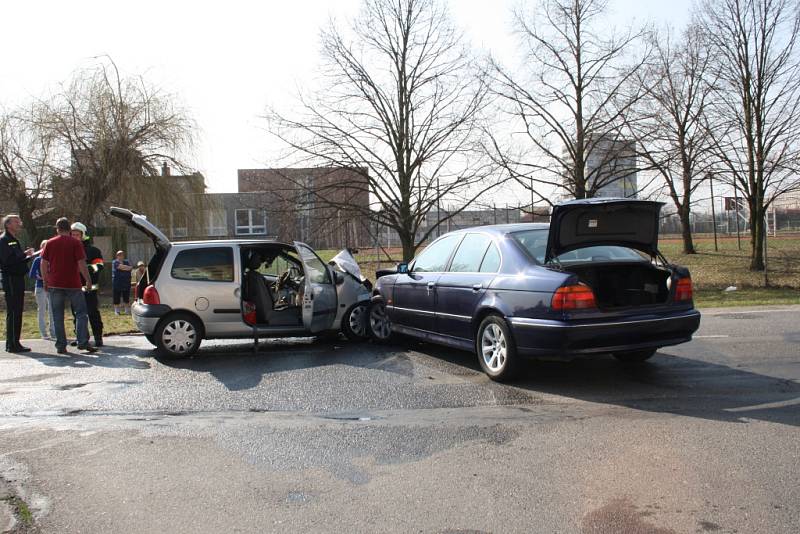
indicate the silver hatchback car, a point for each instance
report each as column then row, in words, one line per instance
column 197, row 290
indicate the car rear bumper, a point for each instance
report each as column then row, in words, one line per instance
column 146, row 316
column 541, row 337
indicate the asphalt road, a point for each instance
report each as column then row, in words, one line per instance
column 309, row 436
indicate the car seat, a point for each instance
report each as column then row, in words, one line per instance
column 257, row 289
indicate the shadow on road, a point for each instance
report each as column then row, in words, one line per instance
column 238, row 368
column 106, row 358
column 666, row 383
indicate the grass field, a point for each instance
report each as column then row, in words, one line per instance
column 712, row 272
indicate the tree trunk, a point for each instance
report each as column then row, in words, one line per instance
column 757, row 241
column 686, row 230
column 408, row 247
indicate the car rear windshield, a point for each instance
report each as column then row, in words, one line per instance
column 535, row 242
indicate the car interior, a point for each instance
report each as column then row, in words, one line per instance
column 273, row 283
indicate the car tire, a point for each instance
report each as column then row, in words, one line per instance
column 635, row 356
column 496, row 349
column 355, row 322
column 178, row 336
column 378, row 324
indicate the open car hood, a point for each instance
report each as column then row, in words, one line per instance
column 140, row 222
column 345, row 262
column 603, row 221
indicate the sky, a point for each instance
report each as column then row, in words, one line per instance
column 225, row 62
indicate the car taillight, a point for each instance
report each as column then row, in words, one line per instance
column 249, row 312
column 683, row 290
column 151, row 295
column 574, row 297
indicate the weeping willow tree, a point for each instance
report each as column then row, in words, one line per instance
column 114, row 133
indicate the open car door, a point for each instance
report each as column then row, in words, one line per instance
column 319, row 295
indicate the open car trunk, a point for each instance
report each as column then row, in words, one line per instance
column 622, row 285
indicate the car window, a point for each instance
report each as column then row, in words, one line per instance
column 467, row 258
column 434, row 258
column 315, row 270
column 491, row 260
column 600, row 253
column 213, row 264
column 279, row 265
column 535, row 242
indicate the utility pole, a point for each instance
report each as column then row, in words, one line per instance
column 438, row 210
column 713, row 210
column 532, row 215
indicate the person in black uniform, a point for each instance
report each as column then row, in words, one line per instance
column 94, row 261
column 14, row 265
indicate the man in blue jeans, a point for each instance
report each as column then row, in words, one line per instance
column 63, row 263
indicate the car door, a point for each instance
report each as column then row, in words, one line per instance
column 414, row 295
column 319, row 292
column 459, row 290
column 205, row 280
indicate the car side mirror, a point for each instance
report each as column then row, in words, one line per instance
column 402, row 268
column 338, row 277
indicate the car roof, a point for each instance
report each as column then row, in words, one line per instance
column 232, row 242
column 502, row 229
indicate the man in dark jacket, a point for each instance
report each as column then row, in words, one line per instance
column 14, row 266
column 94, row 261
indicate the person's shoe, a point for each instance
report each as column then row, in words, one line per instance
column 87, row 348
column 98, row 343
column 73, row 343
column 20, row 348
column 62, row 351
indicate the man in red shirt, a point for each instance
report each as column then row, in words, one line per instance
column 63, row 263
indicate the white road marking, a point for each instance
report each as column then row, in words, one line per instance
column 734, row 312
column 779, row 404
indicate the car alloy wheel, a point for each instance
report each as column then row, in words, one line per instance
column 355, row 322
column 494, row 348
column 379, row 324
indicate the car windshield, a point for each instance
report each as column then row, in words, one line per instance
column 535, row 242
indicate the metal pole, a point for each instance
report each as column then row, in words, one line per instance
column 494, row 210
column 532, row 199
column 736, row 199
column 713, row 211
column 438, row 210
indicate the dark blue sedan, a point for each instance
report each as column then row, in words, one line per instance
column 592, row 281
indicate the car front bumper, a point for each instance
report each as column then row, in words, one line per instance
column 541, row 337
column 146, row 316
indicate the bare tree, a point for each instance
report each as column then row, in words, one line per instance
column 571, row 102
column 757, row 107
column 401, row 102
column 112, row 129
column 671, row 120
column 25, row 169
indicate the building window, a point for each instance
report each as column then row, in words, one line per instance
column 251, row 222
column 217, row 223
column 177, row 225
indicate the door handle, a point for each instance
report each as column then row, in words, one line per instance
column 477, row 287
column 431, row 284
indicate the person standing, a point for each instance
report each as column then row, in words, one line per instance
column 139, row 274
column 121, row 282
column 94, row 262
column 13, row 266
column 63, row 264
column 42, row 302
